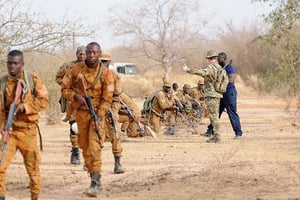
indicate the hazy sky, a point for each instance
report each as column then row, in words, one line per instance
column 238, row 12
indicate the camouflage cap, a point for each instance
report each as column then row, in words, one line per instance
column 167, row 84
column 105, row 56
column 201, row 81
column 80, row 49
column 211, row 53
column 187, row 86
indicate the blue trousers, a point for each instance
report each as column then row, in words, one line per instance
column 229, row 103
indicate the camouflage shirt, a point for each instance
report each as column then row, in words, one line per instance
column 209, row 74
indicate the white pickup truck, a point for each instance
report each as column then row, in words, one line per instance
column 125, row 68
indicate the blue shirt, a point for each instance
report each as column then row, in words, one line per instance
column 230, row 70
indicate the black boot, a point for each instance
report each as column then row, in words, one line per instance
column 95, row 186
column 2, row 198
column 75, row 156
column 209, row 132
column 118, row 167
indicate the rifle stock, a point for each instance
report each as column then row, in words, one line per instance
column 11, row 116
column 90, row 106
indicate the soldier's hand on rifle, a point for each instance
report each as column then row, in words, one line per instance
column 6, row 134
column 80, row 99
column 96, row 123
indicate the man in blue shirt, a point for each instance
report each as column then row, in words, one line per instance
column 229, row 100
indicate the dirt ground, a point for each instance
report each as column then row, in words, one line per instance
column 265, row 164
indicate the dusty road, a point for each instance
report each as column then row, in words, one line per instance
column 265, row 164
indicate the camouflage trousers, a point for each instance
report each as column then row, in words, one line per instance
column 128, row 125
column 88, row 141
column 111, row 136
column 155, row 122
column 213, row 105
column 24, row 140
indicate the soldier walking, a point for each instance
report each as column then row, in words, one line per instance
column 22, row 133
column 67, row 106
column 99, row 83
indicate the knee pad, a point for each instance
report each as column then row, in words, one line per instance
column 73, row 128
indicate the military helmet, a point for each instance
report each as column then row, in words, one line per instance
column 187, row 86
column 167, row 84
column 211, row 54
column 105, row 56
column 80, row 49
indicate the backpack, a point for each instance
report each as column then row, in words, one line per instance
column 147, row 106
column 30, row 85
column 221, row 80
column 28, row 81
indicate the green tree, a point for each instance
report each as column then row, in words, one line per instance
column 282, row 43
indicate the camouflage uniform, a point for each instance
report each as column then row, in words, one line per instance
column 70, row 113
column 161, row 102
column 128, row 124
column 111, row 135
column 185, row 99
column 101, row 95
column 24, row 136
column 198, row 94
column 212, row 98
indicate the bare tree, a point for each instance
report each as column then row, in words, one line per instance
column 160, row 28
column 29, row 31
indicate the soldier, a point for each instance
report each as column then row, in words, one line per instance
column 185, row 98
column 22, row 135
column 70, row 112
column 197, row 93
column 130, row 121
column 212, row 97
column 99, row 84
column 113, row 134
column 229, row 97
column 162, row 101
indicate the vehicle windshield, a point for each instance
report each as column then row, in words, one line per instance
column 131, row 69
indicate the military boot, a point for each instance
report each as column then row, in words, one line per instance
column 95, row 187
column 209, row 132
column 118, row 167
column 170, row 130
column 2, row 198
column 75, row 156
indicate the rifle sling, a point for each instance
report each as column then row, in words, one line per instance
column 97, row 77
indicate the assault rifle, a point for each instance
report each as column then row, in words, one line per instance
column 179, row 106
column 132, row 116
column 113, row 122
column 11, row 116
column 197, row 107
column 90, row 106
